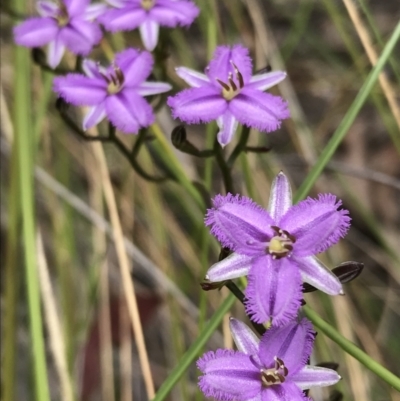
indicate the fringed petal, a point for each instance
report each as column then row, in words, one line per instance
column 228, row 376
column 173, row 13
column 317, row 224
column 273, row 291
column 36, row 32
column 122, row 19
column 240, row 224
column 292, row 343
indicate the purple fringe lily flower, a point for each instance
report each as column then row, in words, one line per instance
column 65, row 24
column 116, row 92
column 228, row 93
column 272, row 369
column 277, row 248
column 148, row 15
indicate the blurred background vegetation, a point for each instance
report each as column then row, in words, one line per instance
column 69, row 253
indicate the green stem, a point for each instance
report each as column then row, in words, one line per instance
column 23, row 128
column 352, row 349
column 349, row 118
column 12, row 280
column 194, row 349
column 225, row 170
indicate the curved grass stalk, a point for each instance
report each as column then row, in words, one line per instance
column 352, row 349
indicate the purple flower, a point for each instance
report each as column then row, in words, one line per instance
column 276, row 248
column 65, row 24
column 272, row 369
column 229, row 94
column 116, row 92
column 148, row 15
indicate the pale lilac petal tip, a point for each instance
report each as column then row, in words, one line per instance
column 149, row 34
column 47, row 8
column 280, row 199
column 239, row 224
column 95, row 115
column 314, row 376
column 262, row 82
column 245, row 339
column 227, row 124
column 314, row 272
column 234, row 266
column 292, row 343
column 194, row 78
column 55, row 52
column 274, row 291
column 94, row 11
column 153, row 88
column 317, row 224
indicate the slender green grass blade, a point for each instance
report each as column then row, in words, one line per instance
column 24, row 142
column 349, row 118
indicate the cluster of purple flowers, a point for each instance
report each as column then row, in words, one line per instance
column 275, row 248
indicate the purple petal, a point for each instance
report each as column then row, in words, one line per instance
column 123, row 19
column 198, row 105
column 47, row 8
column 227, row 127
column 135, row 65
column 233, row 266
column 259, row 110
column 94, row 11
column 94, row 116
column 228, row 375
column 262, row 82
column 280, row 198
column 317, row 224
column 76, row 7
column 55, row 52
column 152, row 88
column 292, row 343
column 128, row 114
column 240, row 224
column 80, row 36
column 80, row 90
column 283, row 392
column 149, row 34
column 221, row 65
column 313, row 376
column 245, row 340
column 274, row 291
column 192, row 77
column 35, row 32
column 173, row 13
column 314, row 272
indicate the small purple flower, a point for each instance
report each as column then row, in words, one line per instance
column 148, row 15
column 229, row 94
column 276, row 248
column 65, row 24
column 116, row 92
column 272, row 369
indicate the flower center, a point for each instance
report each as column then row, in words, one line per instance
column 281, row 244
column 230, row 88
column 147, row 4
column 114, row 80
column 275, row 375
column 62, row 16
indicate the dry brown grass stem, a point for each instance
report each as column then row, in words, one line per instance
column 51, row 317
column 123, row 260
column 365, row 39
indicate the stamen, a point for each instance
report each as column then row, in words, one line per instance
column 224, row 85
column 281, row 244
column 233, row 85
column 239, row 76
